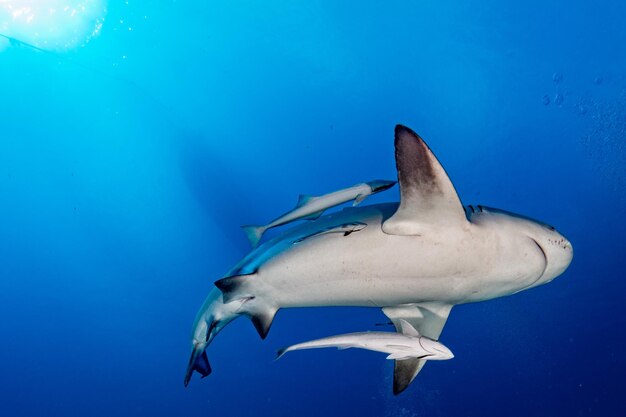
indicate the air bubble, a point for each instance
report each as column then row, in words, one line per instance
column 558, row 99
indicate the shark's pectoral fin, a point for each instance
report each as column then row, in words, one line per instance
column 313, row 216
column 426, row 319
column 359, row 199
column 427, row 197
column 404, row 372
column 400, row 356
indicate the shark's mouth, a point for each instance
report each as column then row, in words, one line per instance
column 545, row 263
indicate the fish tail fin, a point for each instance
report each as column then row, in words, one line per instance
column 281, row 352
column 198, row 362
column 254, row 234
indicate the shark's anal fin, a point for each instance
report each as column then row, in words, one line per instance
column 428, row 320
column 427, row 197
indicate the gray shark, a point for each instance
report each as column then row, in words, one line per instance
column 415, row 260
column 311, row 207
column 400, row 346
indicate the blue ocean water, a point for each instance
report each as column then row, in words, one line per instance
column 134, row 144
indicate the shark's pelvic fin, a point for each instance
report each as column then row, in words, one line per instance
column 426, row 319
column 239, row 288
column 427, row 197
column 234, row 288
column 359, row 199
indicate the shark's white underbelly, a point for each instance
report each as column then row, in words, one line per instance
column 371, row 268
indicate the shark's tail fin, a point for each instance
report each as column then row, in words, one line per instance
column 198, row 362
column 242, row 288
column 254, row 234
column 281, row 352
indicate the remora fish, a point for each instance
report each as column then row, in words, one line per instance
column 344, row 229
column 400, row 346
column 311, row 207
column 415, row 260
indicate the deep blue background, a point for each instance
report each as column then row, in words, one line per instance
column 123, row 183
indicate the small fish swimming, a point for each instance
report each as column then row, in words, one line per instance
column 312, row 207
column 400, row 346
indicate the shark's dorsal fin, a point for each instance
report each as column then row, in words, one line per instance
column 428, row 320
column 407, row 329
column 427, row 197
column 303, row 199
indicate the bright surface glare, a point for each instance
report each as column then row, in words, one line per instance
column 55, row 25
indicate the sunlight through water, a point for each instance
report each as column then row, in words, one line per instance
column 52, row 25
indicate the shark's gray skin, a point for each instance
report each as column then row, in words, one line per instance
column 311, row 207
column 415, row 260
column 399, row 346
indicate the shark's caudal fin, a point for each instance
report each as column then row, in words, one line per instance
column 281, row 352
column 254, row 234
column 198, row 362
column 239, row 288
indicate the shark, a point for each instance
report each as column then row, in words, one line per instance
column 311, row 207
column 414, row 260
column 400, row 346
